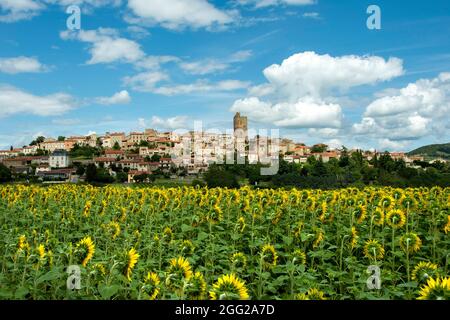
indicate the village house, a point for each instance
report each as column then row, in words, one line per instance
column 59, row 159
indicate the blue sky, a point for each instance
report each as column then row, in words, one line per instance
column 310, row 68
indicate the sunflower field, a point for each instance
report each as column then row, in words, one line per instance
column 200, row 243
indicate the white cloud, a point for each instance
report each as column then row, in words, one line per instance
column 176, row 14
column 203, row 67
column 314, row 74
column 138, row 32
column 122, row 97
column 173, row 123
column 305, row 113
column 155, row 62
column 312, row 15
column 420, row 109
column 208, row 66
column 107, row 46
column 297, row 88
column 16, row 10
column 386, row 144
column 16, row 101
column 21, row 65
column 267, row 3
column 201, row 86
column 145, row 81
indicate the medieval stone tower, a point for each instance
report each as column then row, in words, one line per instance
column 240, row 126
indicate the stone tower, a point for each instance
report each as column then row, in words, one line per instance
column 240, row 125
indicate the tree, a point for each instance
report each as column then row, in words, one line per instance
column 37, row 141
column 217, row 176
column 319, row 148
column 91, row 173
column 155, row 158
column 116, row 146
column 61, row 138
column 5, row 174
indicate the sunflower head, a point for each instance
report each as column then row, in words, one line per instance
column 152, row 285
column 410, row 242
column 229, row 287
column 373, row 250
column 435, row 289
column 239, row 260
column 187, row 247
column 311, row 294
column 196, row 287
column 269, row 256
column 360, row 213
column 319, row 238
column 408, row 202
column 378, row 216
column 132, row 259
column 299, row 257
column 396, row 218
column 387, row 202
column 179, row 271
column 424, row 270
column 85, row 248
column 241, row 224
column 353, row 238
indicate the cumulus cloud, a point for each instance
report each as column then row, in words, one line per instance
column 176, row 14
column 16, row 101
column 420, row 109
column 145, row 81
column 16, row 10
column 314, row 74
column 122, row 97
column 296, row 92
column 21, row 65
column 305, row 113
column 173, row 123
column 202, row 86
column 106, row 45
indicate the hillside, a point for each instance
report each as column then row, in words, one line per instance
column 433, row 150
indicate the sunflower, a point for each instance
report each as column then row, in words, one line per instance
column 87, row 208
column 378, row 217
column 299, row 257
column 387, row 202
column 151, row 285
column 373, row 250
column 87, row 248
column 167, row 234
column 196, row 287
column 353, row 238
column 396, row 218
column 113, row 228
column 241, row 224
column 187, row 247
column 318, row 239
column 447, row 226
column 23, row 243
column 239, row 260
column 269, row 256
column 435, row 289
column 100, row 267
column 133, row 257
column 179, row 270
column 311, row 294
column 326, row 214
column 410, row 242
column 424, row 270
column 229, row 287
column 408, row 202
column 41, row 251
column 360, row 213
column 298, row 229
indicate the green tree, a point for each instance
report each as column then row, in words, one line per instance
column 217, row 176
column 5, row 174
column 116, row 146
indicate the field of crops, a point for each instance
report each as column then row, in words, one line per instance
column 199, row 243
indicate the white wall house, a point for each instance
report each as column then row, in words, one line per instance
column 59, row 159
